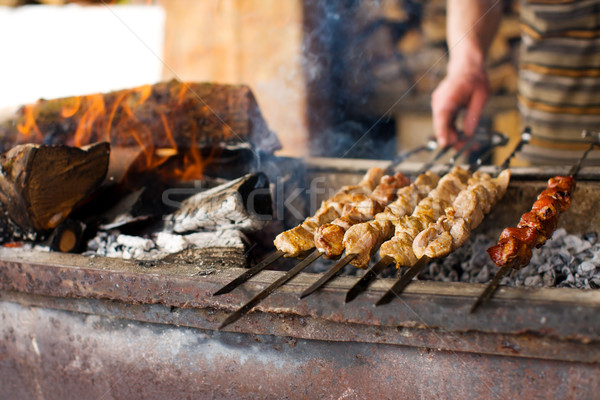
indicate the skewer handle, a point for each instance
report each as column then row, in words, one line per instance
column 270, row 259
column 491, row 287
column 430, row 145
column 403, row 282
column 270, row 289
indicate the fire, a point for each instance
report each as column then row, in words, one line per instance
column 138, row 119
column 95, row 109
column 28, row 126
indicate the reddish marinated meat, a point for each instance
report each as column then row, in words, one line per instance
column 536, row 226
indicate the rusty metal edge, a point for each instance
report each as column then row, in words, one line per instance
column 556, row 324
column 301, row 327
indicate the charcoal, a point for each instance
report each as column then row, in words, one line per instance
column 591, row 237
column 586, row 268
column 549, row 278
column 564, row 261
column 484, row 275
column 534, row 281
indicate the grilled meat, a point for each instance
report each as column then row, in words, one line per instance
column 453, row 227
column 300, row 239
column 535, row 227
column 328, row 239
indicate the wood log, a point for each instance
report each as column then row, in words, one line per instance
column 162, row 119
column 67, row 236
column 244, row 204
column 40, row 185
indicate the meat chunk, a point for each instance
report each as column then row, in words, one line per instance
column 295, row 241
column 329, row 240
column 386, row 190
column 400, row 249
column 364, row 239
column 467, row 206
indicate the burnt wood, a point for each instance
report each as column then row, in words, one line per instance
column 244, row 203
column 167, row 117
column 40, row 185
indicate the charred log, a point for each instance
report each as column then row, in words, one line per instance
column 244, row 204
column 163, row 121
column 67, row 236
column 40, row 186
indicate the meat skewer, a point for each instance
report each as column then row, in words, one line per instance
column 426, row 212
column 384, row 191
column 366, row 240
column 442, row 231
column 300, row 236
column 418, row 189
column 296, row 270
column 406, row 201
column 514, row 248
column 408, row 198
column 448, row 233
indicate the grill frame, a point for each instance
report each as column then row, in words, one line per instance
column 520, row 334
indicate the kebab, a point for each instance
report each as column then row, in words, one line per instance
column 297, row 241
column 313, row 231
column 362, row 240
column 450, row 232
column 300, row 266
column 359, row 239
column 434, row 217
column 515, row 245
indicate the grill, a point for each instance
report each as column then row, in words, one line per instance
column 69, row 320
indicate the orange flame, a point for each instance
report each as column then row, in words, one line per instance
column 69, row 110
column 141, row 119
column 94, row 109
column 28, row 126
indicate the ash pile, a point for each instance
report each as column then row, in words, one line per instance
column 215, row 217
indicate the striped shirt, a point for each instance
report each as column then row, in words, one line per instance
column 559, row 71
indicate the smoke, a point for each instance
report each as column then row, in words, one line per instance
column 351, row 58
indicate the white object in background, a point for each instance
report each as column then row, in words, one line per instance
column 50, row 52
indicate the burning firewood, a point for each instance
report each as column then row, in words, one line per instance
column 40, row 185
column 164, row 120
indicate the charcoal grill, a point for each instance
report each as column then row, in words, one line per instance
column 75, row 326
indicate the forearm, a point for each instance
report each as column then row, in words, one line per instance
column 471, row 27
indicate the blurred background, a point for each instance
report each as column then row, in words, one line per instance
column 336, row 78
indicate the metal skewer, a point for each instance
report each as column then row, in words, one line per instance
column 493, row 285
column 270, row 289
column 328, row 275
column 440, row 153
column 430, row 146
column 268, row 260
column 363, row 283
column 403, row 282
column 491, row 288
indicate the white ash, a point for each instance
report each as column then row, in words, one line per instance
column 206, row 211
column 158, row 245
column 564, row 261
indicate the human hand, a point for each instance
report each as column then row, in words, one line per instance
column 463, row 87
